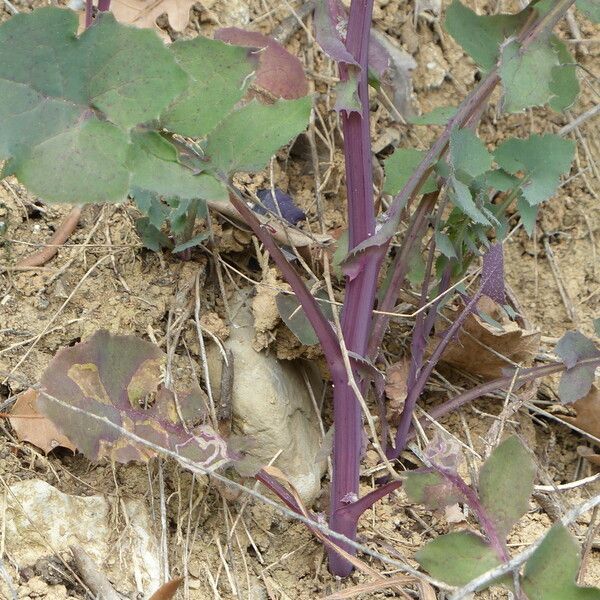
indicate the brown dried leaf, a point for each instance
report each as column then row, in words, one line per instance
column 30, row 426
column 470, row 352
column 167, row 590
column 588, row 413
column 143, row 13
column 396, row 378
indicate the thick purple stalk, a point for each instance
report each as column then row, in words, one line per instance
column 103, row 5
column 360, row 290
column 89, row 13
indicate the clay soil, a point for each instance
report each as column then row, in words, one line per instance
column 103, row 278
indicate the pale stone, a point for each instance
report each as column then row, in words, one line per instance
column 272, row 408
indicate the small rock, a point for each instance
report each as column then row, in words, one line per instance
column 272, row 408
column 37, row 585
column 41, row 519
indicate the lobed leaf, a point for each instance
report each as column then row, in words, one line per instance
column 400, row 166
column 112, row 384
column 462, row 198
column 329, row 22
column 506, row 484
column 543, row 158
column 457, row 558
column 576, row 381
column 564, row 84
column 468, row 154
column 527, row 75
column 481, row 35
column 550, row 574
column 246, row 139
column 218, row 74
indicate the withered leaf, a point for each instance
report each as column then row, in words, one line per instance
column 470, row 352
column 105, row 392
column 396, row 378
column 588, row 413
column 143, row 13
column 279, row 73
column 31, row 426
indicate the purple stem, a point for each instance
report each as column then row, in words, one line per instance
column 360, row 290
column 103, row 5
column 471, row 498
column 89, row 13
column 419, row 386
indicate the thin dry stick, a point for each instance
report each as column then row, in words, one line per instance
column 199, row 468
column 61, row 235
column 513, row 564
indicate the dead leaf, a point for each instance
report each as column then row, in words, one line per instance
column 143, row 13
column 590, row 456
column 167, row 590
column 396, row 378
column 280, row 73
column 30, row 426
column 470, row 351
column 588, row 413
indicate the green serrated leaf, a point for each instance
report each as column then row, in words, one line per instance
column 468, row 154
column 66, row 102
column 444, row 245
column 543, row 159
column 527, row 75
column 497, row 179
column 528, row 214
column 151, row 205
column 551, row 572
column 438, row 116
column 400, row 166
column 457, row 558
column 506, row 484
column 590, row 8
column 564, row 84
column 151, row 236
column 246, row 139
column 195, row 241
column 482, row 35
column 461, row 197
column 154, row 164
column 219, row 75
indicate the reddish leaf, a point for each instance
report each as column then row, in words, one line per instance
column 330, row 30
column 588, row 413
column 96, row 392
column 167, row 590
column 30, row 426
column 279, row 73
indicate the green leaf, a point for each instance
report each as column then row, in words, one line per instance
column 438, row 116
column 457, row 558
column 590, row 8
column 195, row 241
column 577, row 380
column 151, row 236
column 462, row 198
column 430, row 489
column 66, row 102
column 444, row 245
column 551, row 572
column 527, row 75
column 294, row 317
column 528, row 214
column 155, row 167
column 219, row 74
column 346, row 96
column 564, row 84
column 597, row 326
column 246, row 139
column 481, row 36
column 498, row 179
column 400, row 166
column 468, row 153
column 151, row 206
column 543, row 159
column 506, row 484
